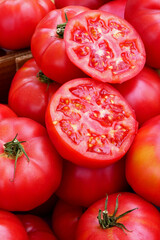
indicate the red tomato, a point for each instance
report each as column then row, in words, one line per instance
column 6, row 112
column 18, row 20
column 142, row 223
column 83, row 186
column 65, row 219
column 116, row 7
column 11, row 227
column 34, row 176
column 143, row 94
column 93, row 4
column 104, row 46
column 144, row 16
column 48, row 48
column 143, row 162
column 42, row 236
column 90, row 123
column 30, row 92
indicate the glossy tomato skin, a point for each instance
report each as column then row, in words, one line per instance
column 144, row 154
column 6, row 112
column 11, row 227
column 92, row 4
column 116, row 7
column 18, row 20
column 142, row 93
column 83, row 186
column 143, row 222
column 36, row 178
column 65, row 219
column 105, row 46
column 36, row 227
column 28, row 94
column 49, row 49
column 90, row 123
column 145, row 19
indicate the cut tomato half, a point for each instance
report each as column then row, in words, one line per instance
column 90, row 123
column 104, row 46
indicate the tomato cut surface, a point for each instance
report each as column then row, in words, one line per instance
column 104, row 46
column 90, row 123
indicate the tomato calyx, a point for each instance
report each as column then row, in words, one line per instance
column 108, row 221
column 61, row 27
column 43, row 78
column 14, row 150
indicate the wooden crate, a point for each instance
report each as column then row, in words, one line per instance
column 10, row 62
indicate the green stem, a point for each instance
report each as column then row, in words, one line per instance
column 108, row 221
column 44, row 79
column 61, row 27
column 14, row 150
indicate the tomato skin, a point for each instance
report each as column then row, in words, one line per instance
column 65, row 219
column 142, row 93
column 116, row 7
column 144, row 154
column 93, row 4
column 6, row 112
column 83, row 186
column 13, row 24
column 11, row 227
column 42, row 172
column 80, row 118
column 105, row 46
column 36, row 227
column 145, row 19
column 35, row 94
column 49, row 49
column 139, row 221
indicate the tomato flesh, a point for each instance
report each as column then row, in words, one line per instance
column 104, row 46
column 91, row 120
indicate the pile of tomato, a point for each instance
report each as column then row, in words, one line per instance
column 79, row 135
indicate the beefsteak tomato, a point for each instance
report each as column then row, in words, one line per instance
column 104, row 46
column 90, row 123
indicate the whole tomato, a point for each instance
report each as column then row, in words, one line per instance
column 30, row 167
column 30, row 92
column 6, row 112
column 90, row 123
column 144, row 16
column 11, row 227
column 124, row 216
column 105, row 46
column 65, row 219
column 116, row 7
column 18, row 20
column 36, row 227
column 48, row 46
column 93, row 4
column 143, row 161
column 83, row 186
column 143, row 94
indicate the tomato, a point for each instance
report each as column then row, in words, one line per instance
column 48, row 47
column 104, row 46
column 90, row 123
column 6, row 112
column 143, row 161
column 93, row 4
column 31, row 85
column 65, row 219
column 18, row 20
column 11, row 227
column 36, row 227
column 143, row 94
column 116, row 7
column 30, row 167
column 83, row 186
column 145, row 19
column 142, row 222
